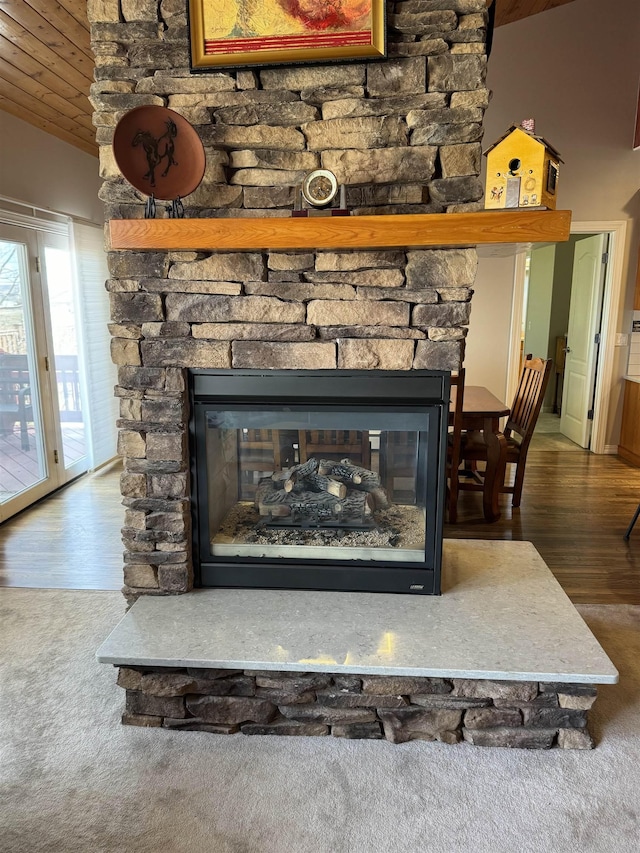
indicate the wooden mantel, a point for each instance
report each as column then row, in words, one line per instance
column 342, row 232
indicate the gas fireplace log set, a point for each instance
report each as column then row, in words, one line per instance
column 316, row 492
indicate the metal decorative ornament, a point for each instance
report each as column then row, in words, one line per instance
column 319, row 188
column 160, row 154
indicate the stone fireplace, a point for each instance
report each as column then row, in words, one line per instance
column 403, row 136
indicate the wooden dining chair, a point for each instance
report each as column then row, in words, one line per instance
column 454, row 446
column 336, row 444
column 398, row 465
column 518, row 431
column 260, row 453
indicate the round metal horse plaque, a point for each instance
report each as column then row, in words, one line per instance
column 159, row 152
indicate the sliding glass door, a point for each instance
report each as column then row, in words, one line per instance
column 25, row 470
column 42, row 436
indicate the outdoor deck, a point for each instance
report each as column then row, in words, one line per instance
column 19, row 469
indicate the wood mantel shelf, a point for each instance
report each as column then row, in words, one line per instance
column 342, row 232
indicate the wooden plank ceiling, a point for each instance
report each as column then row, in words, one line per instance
column 46, row 67
column 46, row 64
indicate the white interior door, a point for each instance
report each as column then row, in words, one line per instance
column 582, row 350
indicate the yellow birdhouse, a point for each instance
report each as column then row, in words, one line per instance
column 522, row 170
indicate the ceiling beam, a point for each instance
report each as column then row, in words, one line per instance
column 508, row 11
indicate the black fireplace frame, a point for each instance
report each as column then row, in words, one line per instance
column 423, row 391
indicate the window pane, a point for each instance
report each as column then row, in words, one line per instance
column 21, row 457
column 65, row 350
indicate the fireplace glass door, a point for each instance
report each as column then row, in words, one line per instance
column 325, row 495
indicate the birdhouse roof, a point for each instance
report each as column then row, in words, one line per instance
column 539, row 139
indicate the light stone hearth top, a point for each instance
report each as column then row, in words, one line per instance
column 502, row 615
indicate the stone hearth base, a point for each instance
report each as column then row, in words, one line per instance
column 502, row 658
column 534, row 715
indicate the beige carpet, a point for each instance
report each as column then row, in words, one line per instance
column 73, row 780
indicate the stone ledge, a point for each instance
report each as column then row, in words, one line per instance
column 502, row 617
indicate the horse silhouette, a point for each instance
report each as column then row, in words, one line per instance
column 157, row 149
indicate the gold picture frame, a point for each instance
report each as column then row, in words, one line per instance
column 227, row 33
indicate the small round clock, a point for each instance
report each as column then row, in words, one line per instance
column 320, row 187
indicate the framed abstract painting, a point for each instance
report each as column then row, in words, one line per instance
column 269, row 32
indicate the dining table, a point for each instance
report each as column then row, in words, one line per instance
column 481, row 412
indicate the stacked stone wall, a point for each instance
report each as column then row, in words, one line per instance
column 522, row 714
column 403, row 134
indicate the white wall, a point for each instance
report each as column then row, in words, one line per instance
column 538, row 315
column 574, row 69
column 487, row 344
column 39, row 169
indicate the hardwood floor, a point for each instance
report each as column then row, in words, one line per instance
column 575, row 509
column 69, row 540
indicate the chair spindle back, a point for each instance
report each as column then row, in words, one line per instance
column 528, row 398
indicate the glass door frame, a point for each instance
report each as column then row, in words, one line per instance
column 48, row 240
column 423, row 393
column 34, row 321
column 34, row 236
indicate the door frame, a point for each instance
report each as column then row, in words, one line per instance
column 49, row 240
column 36, row 234
column 35, row 316
column 613, row 291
